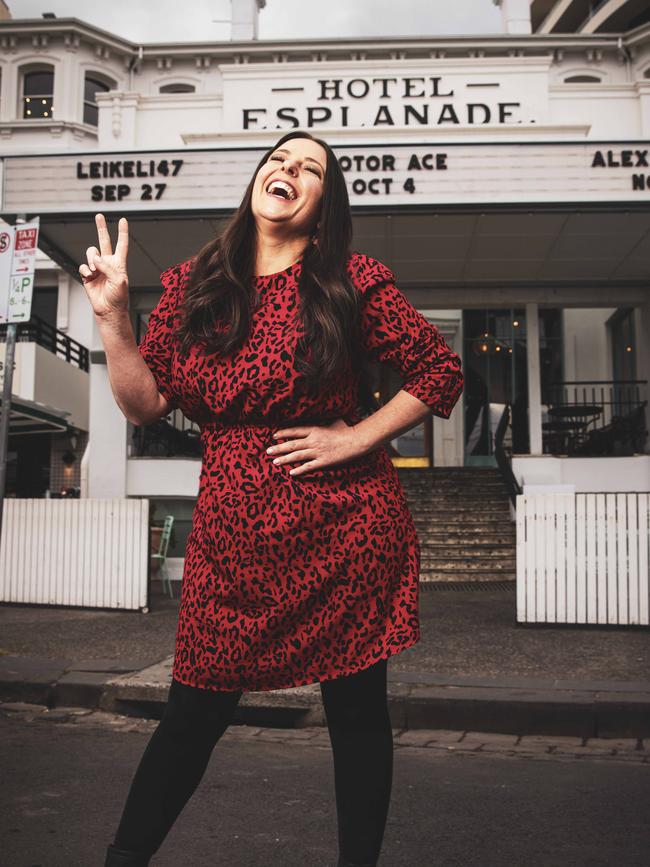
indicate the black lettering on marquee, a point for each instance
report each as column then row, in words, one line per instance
column 109, row 192
column 358, row 88
column 373, row 186
column 505, row 112
column 448, row 114
column 318, row 114
column 473, row 107
column 286, row 114
column 410, row 84
column 383, row 116
column 624, row 159
column 384, row 86
column 372, row 163
column 249, row 120
column 326, row 85
column 355, row 91
column 126, row 169
column 428, row 161
column 435, row 87
column 421, row 118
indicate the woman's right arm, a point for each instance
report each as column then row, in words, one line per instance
column 106, row 283
column 133, row 385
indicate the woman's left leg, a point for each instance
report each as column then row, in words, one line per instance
column 356, row 710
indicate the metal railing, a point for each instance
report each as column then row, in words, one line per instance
column 594, row 418
column 503, row 456
column 176, row 436
column 173, row 436
column 39, row 331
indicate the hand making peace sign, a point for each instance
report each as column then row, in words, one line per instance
column 104, row 277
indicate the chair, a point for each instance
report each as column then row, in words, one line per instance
column 161, row 555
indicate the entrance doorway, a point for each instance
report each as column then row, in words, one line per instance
column 496, row 373
column 414, row 448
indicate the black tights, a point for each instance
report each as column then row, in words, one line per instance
column 178, row 752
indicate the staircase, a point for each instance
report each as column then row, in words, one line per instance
column 463, row 521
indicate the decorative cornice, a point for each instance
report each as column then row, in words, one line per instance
column 499, row 44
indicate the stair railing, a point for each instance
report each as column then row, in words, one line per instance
column 503, row 458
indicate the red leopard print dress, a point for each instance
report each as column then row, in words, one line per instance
column 289, row 580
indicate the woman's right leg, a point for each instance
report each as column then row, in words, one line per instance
column 173, row 764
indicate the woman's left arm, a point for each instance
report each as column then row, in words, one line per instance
column 394, row 332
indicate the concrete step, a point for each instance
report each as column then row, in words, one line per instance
column 463, row 520
column 451, row 494
column 487, row 551
column 450, row 472
column 442, row 575
column 458, row 508
column 461, row 517
column 466, row 564
column 469, row 538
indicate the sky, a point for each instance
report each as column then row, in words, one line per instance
column 167, row 21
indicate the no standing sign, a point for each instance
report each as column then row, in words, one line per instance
column 18, row 245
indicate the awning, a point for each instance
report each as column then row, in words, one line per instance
column 31, row 417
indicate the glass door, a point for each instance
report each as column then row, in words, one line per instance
column 494, row 362
column 414, row 448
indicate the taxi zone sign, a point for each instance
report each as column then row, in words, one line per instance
column 18, row 245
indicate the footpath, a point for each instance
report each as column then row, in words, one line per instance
column 474, row 669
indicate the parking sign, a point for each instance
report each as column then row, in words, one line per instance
column 18, row 245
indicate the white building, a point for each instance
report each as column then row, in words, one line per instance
column 505, row 179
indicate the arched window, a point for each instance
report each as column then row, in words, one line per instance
column 38, row 92
column 178, row 87
column 582, row 79
column 93, row 84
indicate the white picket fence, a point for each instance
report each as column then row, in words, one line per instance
column 80, row 552
column 583, row 558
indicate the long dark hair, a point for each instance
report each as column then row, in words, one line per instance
column 220, row 295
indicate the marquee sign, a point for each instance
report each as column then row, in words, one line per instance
column 377, row 175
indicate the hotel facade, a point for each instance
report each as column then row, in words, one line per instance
column 505, row 179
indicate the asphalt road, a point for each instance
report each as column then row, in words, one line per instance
column 267, row 801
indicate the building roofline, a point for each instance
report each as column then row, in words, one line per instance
column 527, row 42
column 51, row 25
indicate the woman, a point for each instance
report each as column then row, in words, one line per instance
column 302, row 564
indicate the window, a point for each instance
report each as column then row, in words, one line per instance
column 582, row 79
column 38, row 93
column 177, row 88
column 92, row 86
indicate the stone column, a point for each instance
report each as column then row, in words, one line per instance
column 107, row 431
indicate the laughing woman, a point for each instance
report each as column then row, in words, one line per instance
column 302, row 564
